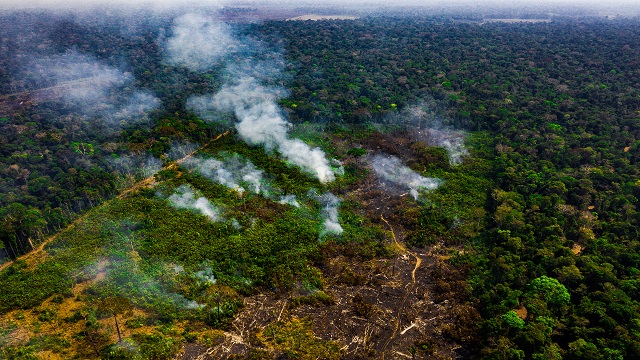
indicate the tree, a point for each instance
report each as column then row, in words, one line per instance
column 546, row 294
column 512, row 320
column 226, row 302
column 93, row 334
column 116, row 305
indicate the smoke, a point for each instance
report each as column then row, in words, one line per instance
column 261, row 122
column 138, row 104
column 241, row 175
column 233, row 172
column 71, row 66
column 90, row 87
column 451, row 140
column 289, row 200
column 338, row 167
column 184, row 198
column 396, row 176
column 433, row 129
column 329, row 212
column 198, row 42
column 136, row 165
column 206, row 276
column 180, row 150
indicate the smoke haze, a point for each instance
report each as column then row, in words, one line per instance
column 358, row 4
column 233, row 172
column 137, row 165
column 397, row 177
column 122, row 276
column 185, row 198
column 91, row 87
column 180, row 150
column 198, row 42
column 329, row 213
column 261, row 123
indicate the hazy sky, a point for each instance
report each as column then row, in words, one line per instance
column 74, row 4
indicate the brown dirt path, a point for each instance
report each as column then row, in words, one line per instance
column 32, row 256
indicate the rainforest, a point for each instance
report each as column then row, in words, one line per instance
column 287, row 182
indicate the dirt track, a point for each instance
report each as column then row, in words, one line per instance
column 33, row 255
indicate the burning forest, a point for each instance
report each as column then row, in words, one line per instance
column 207, row 181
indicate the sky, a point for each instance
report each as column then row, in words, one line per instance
column 160, row 4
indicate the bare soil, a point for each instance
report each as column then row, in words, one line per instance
column 405, row 306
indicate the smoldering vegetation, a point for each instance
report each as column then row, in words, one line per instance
column 241, row 175
column 426, row 124
column 185, row 197
column 397, row 178
column 123, row 275
column 233, row 172
column 329, row 205
column 260, row 121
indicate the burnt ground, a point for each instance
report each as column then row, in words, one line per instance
column 363, row 317
column 379, row 310
column 384, row 316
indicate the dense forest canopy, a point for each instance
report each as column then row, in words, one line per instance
column 481, row 174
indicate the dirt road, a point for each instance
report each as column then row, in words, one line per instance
column 150, row 181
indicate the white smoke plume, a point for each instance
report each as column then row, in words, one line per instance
column 431, row 128
column 329, row 212
column 198, row 42
column 289, row 200
column 395, row 175
column 206, row 276
column 261, row 122
column 451, row 140
column 233, row 172
column 338, row 167
column 184, row 198
column 91, row 87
